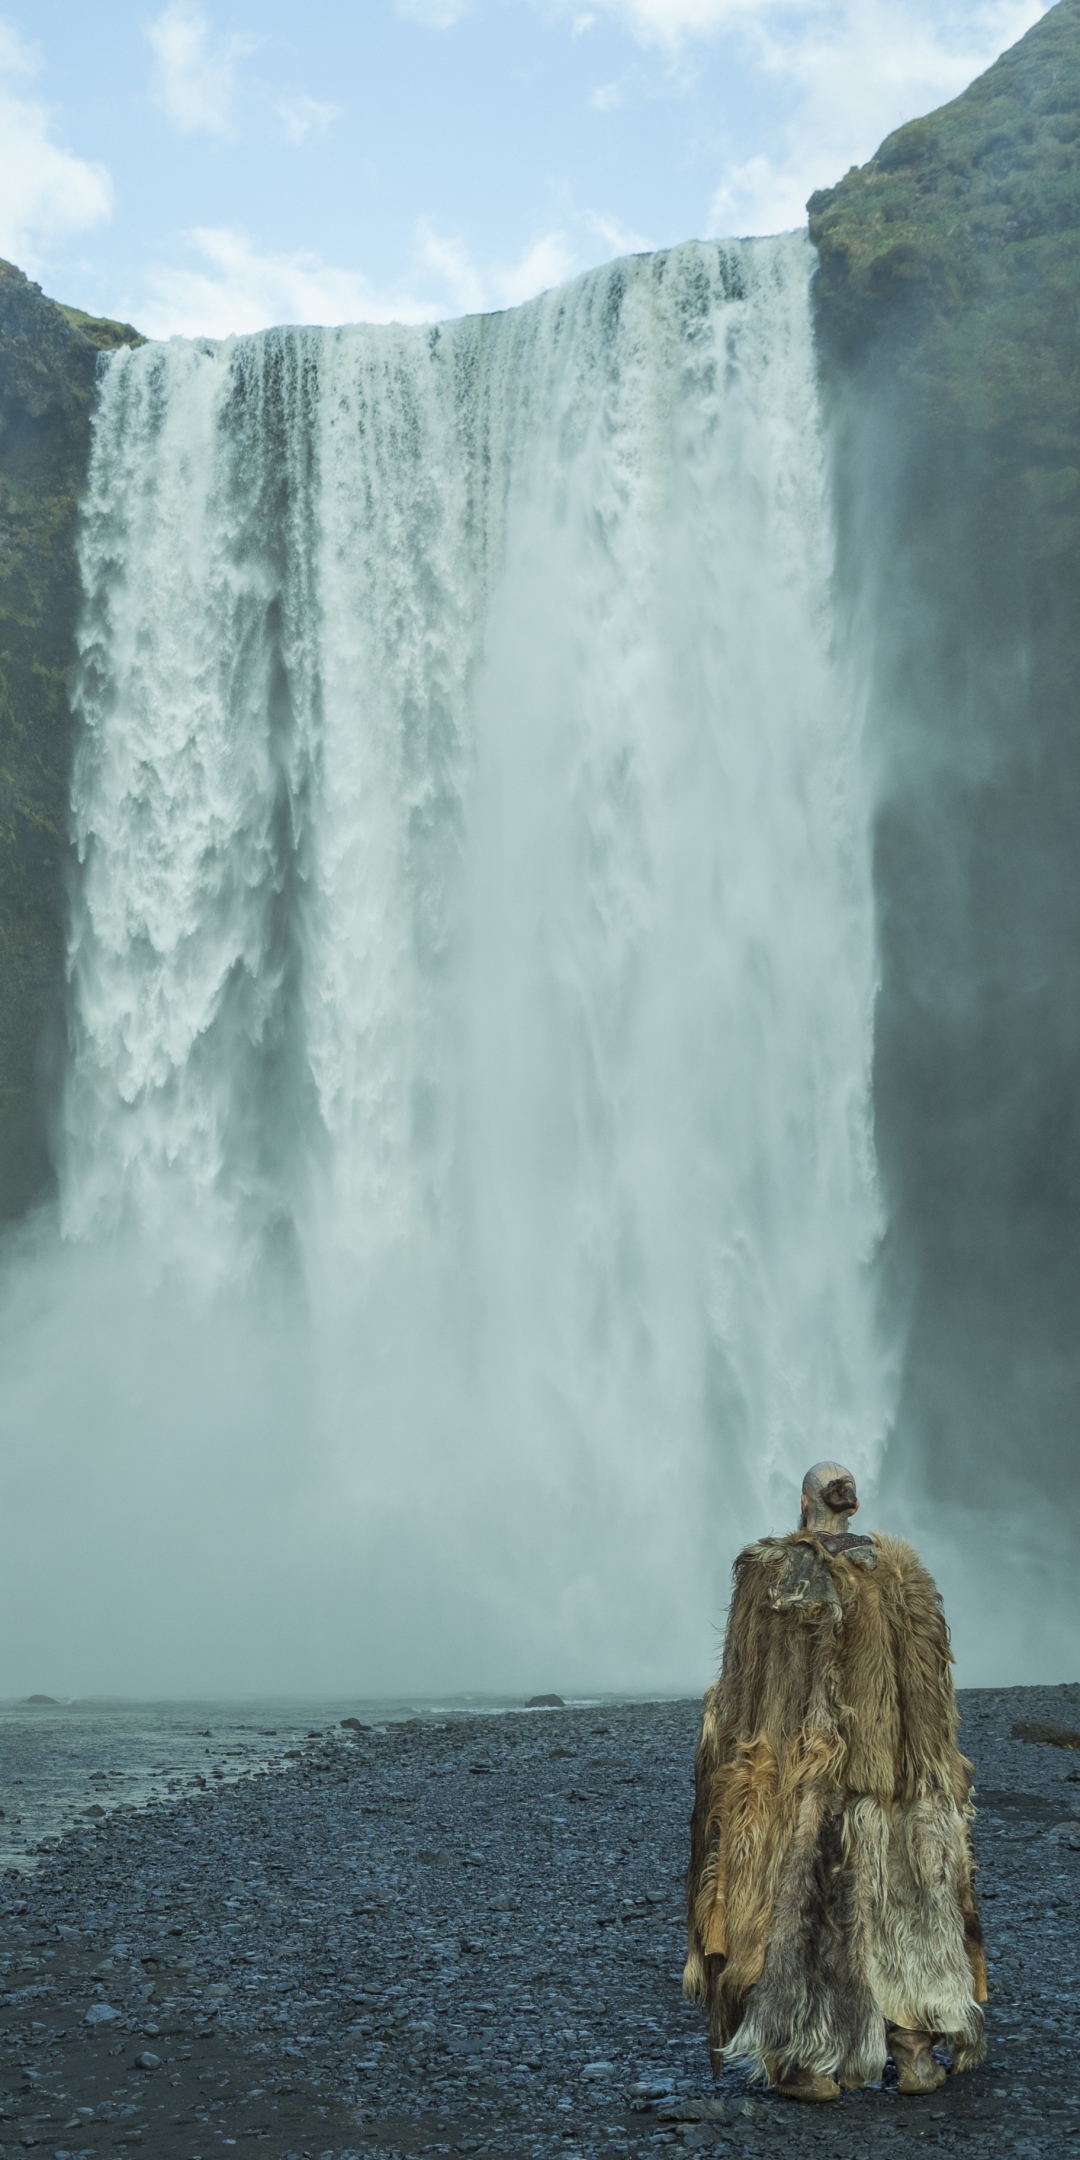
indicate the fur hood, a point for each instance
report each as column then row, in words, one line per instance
column 831, row 1876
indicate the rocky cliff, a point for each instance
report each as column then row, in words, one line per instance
column 948, row 308
column 48, row 358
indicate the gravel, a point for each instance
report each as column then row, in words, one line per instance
column 465, row 1935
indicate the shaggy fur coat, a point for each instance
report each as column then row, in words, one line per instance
column 830, row 1889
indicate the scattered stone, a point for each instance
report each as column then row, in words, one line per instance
column 1064, row 1833
column 378, row 1932
column 148, row 2060
column 693, row 2110
column 1048, row 1731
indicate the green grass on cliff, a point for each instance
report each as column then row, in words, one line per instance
column 952, row 261
column 101, row 332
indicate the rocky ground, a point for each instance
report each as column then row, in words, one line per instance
column 465, row 1936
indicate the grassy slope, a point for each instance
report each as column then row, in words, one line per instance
column 48, row 358
column 951, row 260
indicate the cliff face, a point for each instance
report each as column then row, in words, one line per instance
column 48, row 358
column 948, row 308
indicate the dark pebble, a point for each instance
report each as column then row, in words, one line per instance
column 378, row 1951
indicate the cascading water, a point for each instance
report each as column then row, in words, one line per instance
column 472, row 964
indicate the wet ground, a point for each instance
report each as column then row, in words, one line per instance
column 464, row 1935
column 63, row 1761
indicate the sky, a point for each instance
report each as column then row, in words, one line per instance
column 204, row 169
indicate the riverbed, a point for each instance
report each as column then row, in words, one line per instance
column 463, row 1933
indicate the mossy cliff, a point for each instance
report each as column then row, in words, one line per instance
column 949, row 263
column 48, row 360
column 948, row 317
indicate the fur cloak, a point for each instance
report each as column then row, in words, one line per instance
column 831, row 1885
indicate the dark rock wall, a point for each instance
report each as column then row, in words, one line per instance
column 48, row 358
column 948, row 312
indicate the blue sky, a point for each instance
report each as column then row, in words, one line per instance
column 221, row 166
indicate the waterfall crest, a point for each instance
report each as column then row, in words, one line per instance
column 471, row 948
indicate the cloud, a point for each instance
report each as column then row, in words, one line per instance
column 668, row 22
column 195, row 74
column 848, row 75
column 239, row 288
column 832, row 78
column 545, row 262
column 303, row 116
column 437, row 14
column 556, row 256
column 759, row 197
column 232, row 286
column 618, row 239
column 455, row 269
column 46, row 193
column 674, row 22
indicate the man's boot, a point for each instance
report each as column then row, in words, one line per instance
column 800, row 2084
column 910, row 2051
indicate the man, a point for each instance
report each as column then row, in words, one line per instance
column 831, row 1909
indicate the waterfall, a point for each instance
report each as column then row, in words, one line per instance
column 471, row 949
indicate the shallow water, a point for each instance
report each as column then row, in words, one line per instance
column 66, row 1762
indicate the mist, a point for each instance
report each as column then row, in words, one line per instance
column 223, row 1501
column 219, row 1499
column 959, row 620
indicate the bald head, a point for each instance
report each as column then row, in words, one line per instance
column 828, row 1498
